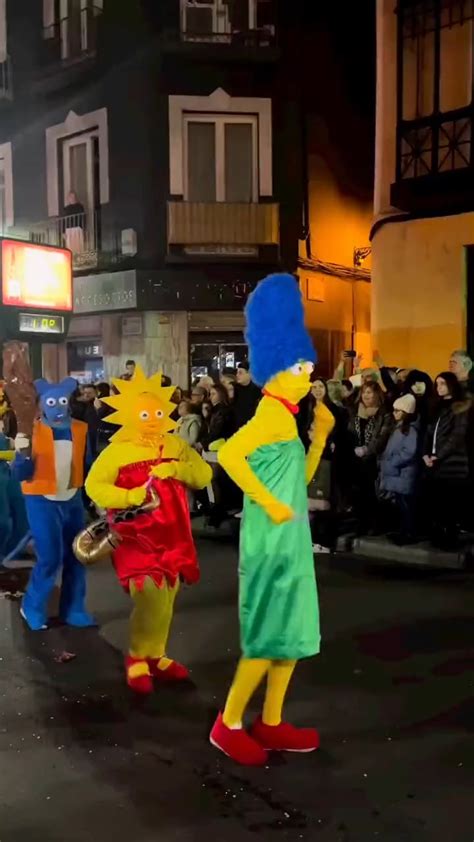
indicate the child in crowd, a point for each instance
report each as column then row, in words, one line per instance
column 189, row 423
column 399, row 466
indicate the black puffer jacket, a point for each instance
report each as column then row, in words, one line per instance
column 220, row 425
column 447, row 439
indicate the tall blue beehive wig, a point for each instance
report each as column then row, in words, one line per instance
column 276, row 333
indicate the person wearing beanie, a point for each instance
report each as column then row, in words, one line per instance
column 406, row 404
column 399, row 467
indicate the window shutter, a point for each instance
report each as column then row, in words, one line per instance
column 3, row 31
column 48, row 19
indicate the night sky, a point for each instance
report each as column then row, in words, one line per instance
column 338, row 71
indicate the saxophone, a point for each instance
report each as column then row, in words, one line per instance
column 98, row 540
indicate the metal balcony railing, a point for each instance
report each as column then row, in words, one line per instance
column 440, row 143
column 6, row 88
column 73, row 37
column 249, row 23
column 223, row 223
column 79, row 233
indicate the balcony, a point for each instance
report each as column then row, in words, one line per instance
column 80, row 233
column 435, row 163
column 68, row 48
column 221, row 29
column 6, row 89
column 223, row 229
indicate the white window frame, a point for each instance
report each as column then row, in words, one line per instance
column 49, row 22
column 95, row 122
column 64, row 26
column 80, row 140
column 220, row 103
column 3, row 32
column 220, row 121
column 6, row 163
column 220, row 15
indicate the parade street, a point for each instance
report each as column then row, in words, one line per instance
column 392, row 694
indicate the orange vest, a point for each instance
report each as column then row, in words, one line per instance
column 44, row 477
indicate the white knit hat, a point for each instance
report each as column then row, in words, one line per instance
column 406, row 403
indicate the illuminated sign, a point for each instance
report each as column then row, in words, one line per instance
column 36, row 276
column 35, row 323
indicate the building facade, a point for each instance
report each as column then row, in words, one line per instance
column 423, row 231
column 334, row 257
column 144, row 137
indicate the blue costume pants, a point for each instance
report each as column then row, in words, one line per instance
column 54, row 525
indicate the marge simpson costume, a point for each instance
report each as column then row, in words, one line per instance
column 279, row 617
column 156, row 549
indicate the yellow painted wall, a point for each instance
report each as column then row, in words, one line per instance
column 339, row 223
column 418, row 290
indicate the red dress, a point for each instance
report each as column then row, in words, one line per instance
column 158, row 544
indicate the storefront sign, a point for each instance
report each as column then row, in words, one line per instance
column 36, row 323
column 89, row 351
column 35, row 276
column 102, row 293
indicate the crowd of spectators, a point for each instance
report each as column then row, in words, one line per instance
column 399, row 462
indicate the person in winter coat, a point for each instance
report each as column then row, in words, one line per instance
column 420, row 384
column 189, row 424
column 369, row 428
column 326, row 490
column 227, row 495
column 399, row 466
column 220, row 424
column 446, row 457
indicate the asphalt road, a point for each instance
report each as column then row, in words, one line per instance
column 392, row 694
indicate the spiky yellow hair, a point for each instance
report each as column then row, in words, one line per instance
column 125, row 402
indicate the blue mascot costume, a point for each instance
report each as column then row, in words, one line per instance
column 14, row 530
column 52, row 479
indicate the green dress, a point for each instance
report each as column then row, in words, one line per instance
column 278, row 600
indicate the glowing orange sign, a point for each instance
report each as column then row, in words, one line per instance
column 36, row 276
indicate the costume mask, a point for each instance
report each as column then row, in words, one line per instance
column 54, row 402
column 142, row 408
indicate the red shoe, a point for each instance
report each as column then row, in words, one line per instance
column 173, row 672
column 237, row 744
column 138, row 675
column 285, row 737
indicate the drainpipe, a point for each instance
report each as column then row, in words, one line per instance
column 305, row 223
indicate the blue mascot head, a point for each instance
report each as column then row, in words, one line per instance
column 54, row 402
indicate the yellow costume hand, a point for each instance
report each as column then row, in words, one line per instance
column 324, row 420
column 167, row 470
column 279, row 512
column 215, row 446
column 136, row 496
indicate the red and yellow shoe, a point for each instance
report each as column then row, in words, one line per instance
column 138, row 675
column 285, row 737
column 173, row 672
column 237, row 744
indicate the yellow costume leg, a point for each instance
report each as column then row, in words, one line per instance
column 278, row 679
column 250, row 673
column 151, row 620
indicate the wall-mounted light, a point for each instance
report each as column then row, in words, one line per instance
column 359, row 255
